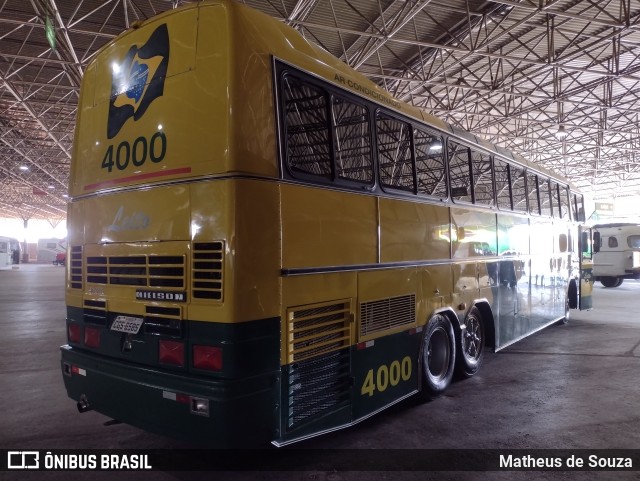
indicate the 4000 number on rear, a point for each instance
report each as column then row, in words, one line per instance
column 135, row 154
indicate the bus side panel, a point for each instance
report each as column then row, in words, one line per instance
column 548, row 274
column 385, row 370
column 411, row 231
column 244, row 213
column 324, row 228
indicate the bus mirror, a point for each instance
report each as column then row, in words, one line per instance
column 596, row 242
column 562, row 242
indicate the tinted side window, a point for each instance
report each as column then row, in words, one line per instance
column 482, row 171
column 307, row 129
column 545, row 198
column 532, row 194
column 503, row 186
column 459, row 173
column 394, row 153
column 555, row 198
column 518, row 190
column 564, row 201
column 352, row 141
column 613, row 242
column 430, row 165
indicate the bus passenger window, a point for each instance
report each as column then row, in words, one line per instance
column 564, row 201
column 430, row 166
column 482, row 178
column 352, row 141
column 555, row 199
column 613, row 242
column 545, row 197
column 532, row 194
column 518, row 190
column 503, row 188
column 394, row 153
column 459, row 174
column 307, row 129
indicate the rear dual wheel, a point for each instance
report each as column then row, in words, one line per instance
column 610, row 281
column 438, row 356
column 441, row 357
column 472, row 340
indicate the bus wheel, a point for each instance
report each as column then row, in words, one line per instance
column 609, row 281
column 472, row 340
column 438, row 356
column 619, row 283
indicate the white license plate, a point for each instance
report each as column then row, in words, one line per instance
column 130, row 325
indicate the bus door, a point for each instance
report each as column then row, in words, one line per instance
column 586, row 267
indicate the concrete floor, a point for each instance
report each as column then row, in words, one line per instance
column 570, row 387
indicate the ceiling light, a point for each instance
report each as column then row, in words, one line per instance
column 561, row 133
column 436, row 146
column 24, row 167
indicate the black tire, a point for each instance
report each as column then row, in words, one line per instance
column 471, row 348
column 438, row 356
column 609, row 281
column 619, row 283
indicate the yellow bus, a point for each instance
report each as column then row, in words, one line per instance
column 265, row 246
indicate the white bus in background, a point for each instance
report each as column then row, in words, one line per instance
column 52, row 251
column 616, row 253
column 9, row 252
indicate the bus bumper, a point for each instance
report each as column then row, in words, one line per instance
column 239, row 413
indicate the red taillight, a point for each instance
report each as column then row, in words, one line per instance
column 207, row 357
column 171, row 352
column 73, row 331
column 92, row 337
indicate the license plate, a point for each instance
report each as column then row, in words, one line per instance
column 129, row 325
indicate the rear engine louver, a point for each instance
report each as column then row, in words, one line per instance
column 95, row 312
column 163, row 321
column 384, row 314
column 316, row 330
column 318, row 340
column 207, row 273
column 75, row 272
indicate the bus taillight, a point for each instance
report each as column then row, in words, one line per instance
column 207, row 357
column 92, row 337
column 171, row 352
column 73, row 332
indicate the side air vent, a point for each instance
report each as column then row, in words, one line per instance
column 384, row 314
column 75, row 271
column 207, row 277
column 318, row 329
column 95, row 312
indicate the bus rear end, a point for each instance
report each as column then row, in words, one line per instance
column 156, row 337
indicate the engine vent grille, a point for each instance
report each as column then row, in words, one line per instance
column 317, row 386
column 207, row 272
column 75, row 271
column 163, row 321
column 318, row 329
column 140, row 271
column 95, row 312
column 384, row 314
